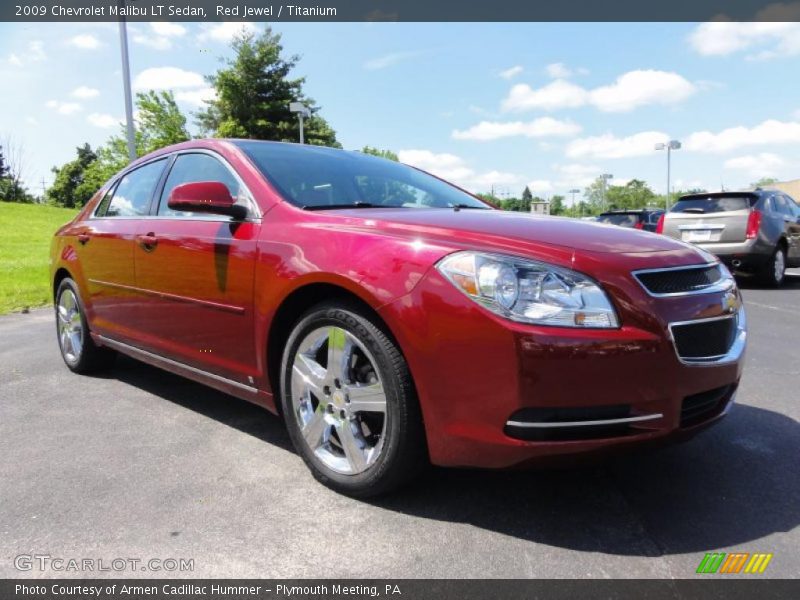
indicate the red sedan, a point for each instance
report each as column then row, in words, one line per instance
column 391, row 318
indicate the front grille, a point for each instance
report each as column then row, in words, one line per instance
column 680, row 281
column 704, row 339
column 698, row 407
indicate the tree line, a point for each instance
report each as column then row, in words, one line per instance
column 253, row 92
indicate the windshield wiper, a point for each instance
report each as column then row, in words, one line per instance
column 335, row 206
column 460, row 206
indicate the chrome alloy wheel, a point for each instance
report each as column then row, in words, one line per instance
column 70, row 326
column 779, row 265
column 339, row 400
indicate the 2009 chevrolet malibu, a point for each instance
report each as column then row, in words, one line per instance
column 392, row 318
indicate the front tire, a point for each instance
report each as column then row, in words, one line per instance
column 80, row 353
column 349, row 402
column 774, row 271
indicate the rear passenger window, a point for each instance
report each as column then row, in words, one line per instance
column 134, row 191
column 781, row 205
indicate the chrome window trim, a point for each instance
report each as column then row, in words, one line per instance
column 733, row 354
column 555, row 424
column 253, row 208
column 725, row 283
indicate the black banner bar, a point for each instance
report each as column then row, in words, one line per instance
column 397, row 10
column 712, row 588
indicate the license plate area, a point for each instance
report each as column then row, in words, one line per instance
column 696, row 235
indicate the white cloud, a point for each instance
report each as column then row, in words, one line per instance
column 225, row 32
column 164, row 78
column 610, row 146
column 541, row 127
column 64, row 108
column 796, row 114
column 387, row 60
column 758, row 165
column 637, row 88
column 85, row 41
column 103, row 121
column 34, row 53
column 540, row 186
column 196, row 97
column 159, row 35
column 32, row 121
column 630, row 90
column 770, row 39
column 555, row 95
column 83, row 92
column 770, row 131
column 558, row 71
column 453, row 168
column 511, row 72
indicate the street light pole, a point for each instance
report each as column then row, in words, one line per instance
column 669, row 147
column 573, row 192
column 302, row 112
column 605, row 177
column 126, row 82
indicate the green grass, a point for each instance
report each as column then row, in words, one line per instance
column 25, row 234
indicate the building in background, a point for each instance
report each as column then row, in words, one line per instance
column 540, row 207
column 790, row 187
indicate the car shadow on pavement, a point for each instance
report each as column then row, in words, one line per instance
column 228, row 410
column 733, row 484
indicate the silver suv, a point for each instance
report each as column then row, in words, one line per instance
column 754, row 232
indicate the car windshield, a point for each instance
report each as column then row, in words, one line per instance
column 317, row 178
column 622, row 219
column 712, row 204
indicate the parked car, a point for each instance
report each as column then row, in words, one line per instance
column 752, row 232
column 391, row 318
column 645, row 219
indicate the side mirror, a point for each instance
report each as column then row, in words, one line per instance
column 210, row 197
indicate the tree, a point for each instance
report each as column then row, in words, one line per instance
column 387, row 154
column 764, row 182
column 557, row 205
column 634, row 194
column 69, row 178
column 11, row 187
column 526, row 194
column 253, row 95
column 160, row 123
column 3, row 167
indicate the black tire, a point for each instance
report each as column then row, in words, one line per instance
column 404, row 451
column 91, row 358
column 768, row 275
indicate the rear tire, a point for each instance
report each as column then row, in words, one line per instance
column 772, row 274
column 80, row 353
column 352, row 413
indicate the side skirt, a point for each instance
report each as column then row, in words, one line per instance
column 223, row 384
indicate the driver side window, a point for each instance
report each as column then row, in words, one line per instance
column 193, row 168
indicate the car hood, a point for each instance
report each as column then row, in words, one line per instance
column 494, row 226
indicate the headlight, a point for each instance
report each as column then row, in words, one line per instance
column 530, row 291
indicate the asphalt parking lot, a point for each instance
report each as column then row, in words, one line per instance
column 143, row 464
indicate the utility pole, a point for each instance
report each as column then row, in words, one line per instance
column 669, row 147
column 126, row 83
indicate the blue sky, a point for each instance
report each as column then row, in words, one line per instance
column 503, row 105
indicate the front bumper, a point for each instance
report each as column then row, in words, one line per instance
column 485, row 382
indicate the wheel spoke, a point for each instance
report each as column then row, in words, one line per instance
column 307, row 373
column 63, row 313
column 340, row 351
column 367, row 398
column 352, row 446
column 66, row 342
column 314, row 429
